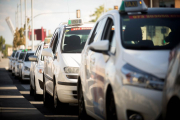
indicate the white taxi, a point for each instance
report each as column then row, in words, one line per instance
column 62, row 61
column 25, row 72
column 10, row 60
column 36, row 71
column 17, row 63
column 15, row 60
column 125, row 61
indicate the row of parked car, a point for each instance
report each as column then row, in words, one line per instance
column 114, row 69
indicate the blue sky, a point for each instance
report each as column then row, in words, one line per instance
column 48, row 21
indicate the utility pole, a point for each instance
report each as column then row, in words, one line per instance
column 21, row 13
column 151, row 3
column 17, row 18
column 26, row 26
column 32, row 25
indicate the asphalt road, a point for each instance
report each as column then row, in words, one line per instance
column 17, row 104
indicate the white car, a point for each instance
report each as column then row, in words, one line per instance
column 25, row 73
column 20, row 57
column 36, row 71
column 10, row 60
column 62, row 61
column 125, row 61
column 14, row 60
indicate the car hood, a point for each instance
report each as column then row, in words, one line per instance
column 72, row 60
column 28, row 64
column 152, row 62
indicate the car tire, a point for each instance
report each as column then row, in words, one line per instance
column 46, row 97
column 31, row 89
column 111, row 108
column 81, row 106
column 35, row 94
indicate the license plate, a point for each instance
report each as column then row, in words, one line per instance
column 131, row 4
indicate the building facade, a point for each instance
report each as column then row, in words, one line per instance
column 39, row 34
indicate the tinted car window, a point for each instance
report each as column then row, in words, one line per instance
column 21, row 55
column 27, row 56
column 17, row 54
column 13, row 53
column 74, row 40
column 150, row 32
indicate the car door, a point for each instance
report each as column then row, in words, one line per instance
column 101, row 61
column 90, row 71
column 50, row 64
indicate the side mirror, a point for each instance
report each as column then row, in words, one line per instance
column 33, row 58
column 20, row 61
column 100, row 46
column 47, row 52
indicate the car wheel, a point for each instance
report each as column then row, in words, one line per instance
column 35, row 95
column 82, row 111
column 111, row 108
column 46, row 96
column 31, row 89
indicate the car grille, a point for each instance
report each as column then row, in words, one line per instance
column 74, row 94
column 26, row 76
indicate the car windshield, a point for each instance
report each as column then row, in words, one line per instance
column 74, row 39
column 21, row 55
column 27, row 56
column 17, row 54
column 13, row 53
column 150, row 32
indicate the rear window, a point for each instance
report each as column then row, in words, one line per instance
column 27, row 56
column 21, row 55
column 74, row 39
column 150, row 32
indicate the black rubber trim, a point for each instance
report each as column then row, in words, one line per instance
column 67, row 83
column 41, row 84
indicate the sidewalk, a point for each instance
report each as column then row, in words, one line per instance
column 13, row 105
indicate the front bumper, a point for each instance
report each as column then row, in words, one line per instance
column 26, row 75
column 145, row 102
column 67, row 89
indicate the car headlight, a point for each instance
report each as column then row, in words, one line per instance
column 26, row 68
column 136, row 77
column 71, row 69
column 40, row 70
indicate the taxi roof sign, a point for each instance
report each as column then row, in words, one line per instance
column 133, row 6
column 75, row 22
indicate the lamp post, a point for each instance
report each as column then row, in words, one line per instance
column 26, row 25
column 32, row 25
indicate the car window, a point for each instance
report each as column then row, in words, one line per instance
column 27, row 56
column 55, row 42
column 150, row 32
column 21, row 55
column 17, row 54
column 13, row 53
column 96, row 36
column 109, row 34
column 74, row 39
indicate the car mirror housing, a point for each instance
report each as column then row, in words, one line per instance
column 100, row 46
column 47, row 52
column 33, row 58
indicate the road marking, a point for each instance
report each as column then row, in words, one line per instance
column 36, row 102
column 27, row 87
column 13, row 108
column 60, row 115
column 24, row 92
column 8, row 96
column 8, row 88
